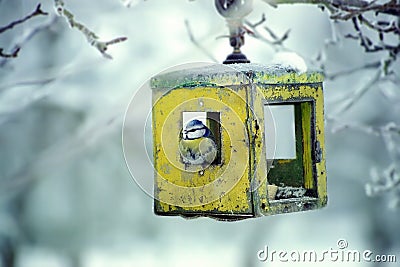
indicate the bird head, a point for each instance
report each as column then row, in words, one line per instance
column 195, row 129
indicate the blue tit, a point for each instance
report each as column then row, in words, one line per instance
column 197, row 145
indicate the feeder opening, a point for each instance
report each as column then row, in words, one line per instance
column 212, row 121
column 290, row 126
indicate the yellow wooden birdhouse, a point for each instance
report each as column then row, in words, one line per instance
column 238, row 142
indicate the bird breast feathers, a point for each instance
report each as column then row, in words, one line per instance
column 198, row 151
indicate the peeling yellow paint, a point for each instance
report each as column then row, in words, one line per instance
column 295, row 92
column 223, row 187
column 238, row 185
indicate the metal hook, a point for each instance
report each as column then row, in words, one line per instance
column 234, row 11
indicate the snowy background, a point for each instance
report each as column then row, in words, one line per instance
column 66, row 196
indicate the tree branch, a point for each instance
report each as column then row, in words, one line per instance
column 355, row 10
column 378, row 131
column 12, row 55
column 91, row 37
column 333, row 76
column 28, row 36
column 37, row 12
column 255, row 33
column 15, row 51
column 388, row 180
column 353, row 97
column 40, row 82
column 197, row 44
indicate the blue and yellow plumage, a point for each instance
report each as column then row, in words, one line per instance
column 197, row 145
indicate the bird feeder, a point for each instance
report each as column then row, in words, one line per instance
column 267, row 123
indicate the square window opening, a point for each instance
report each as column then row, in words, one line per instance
column 289, row 134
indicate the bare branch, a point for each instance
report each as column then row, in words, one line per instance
column 333, row 76
column 37, row 12
column 12, row 55
column 391, row 95
column 381, row 26
column 338, row 126
column 28, row 36
column 361, row 6
column 277, row 40
column 387, row 133
column 378, row 131
column 91, row 37
column 197, row 44
column 353, row 97
column 350, row 11
column 275, row 3
column 262, row 20
column 40, row 82
column 14, row 52
column 356, row 11
column 388, row 181
column 255, row 33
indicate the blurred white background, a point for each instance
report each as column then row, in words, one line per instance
column 66, row 196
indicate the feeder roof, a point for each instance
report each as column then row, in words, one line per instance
column 234, row 74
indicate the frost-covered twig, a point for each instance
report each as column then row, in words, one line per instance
column 355, row 6
column 389, row 133
column 382, row 182
column 91, row 37
column 37, row 12
column 348, row 9
column 382, row 72
column 368, row 45
column 359, row 11
column 386, row 182
column 197, row 44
